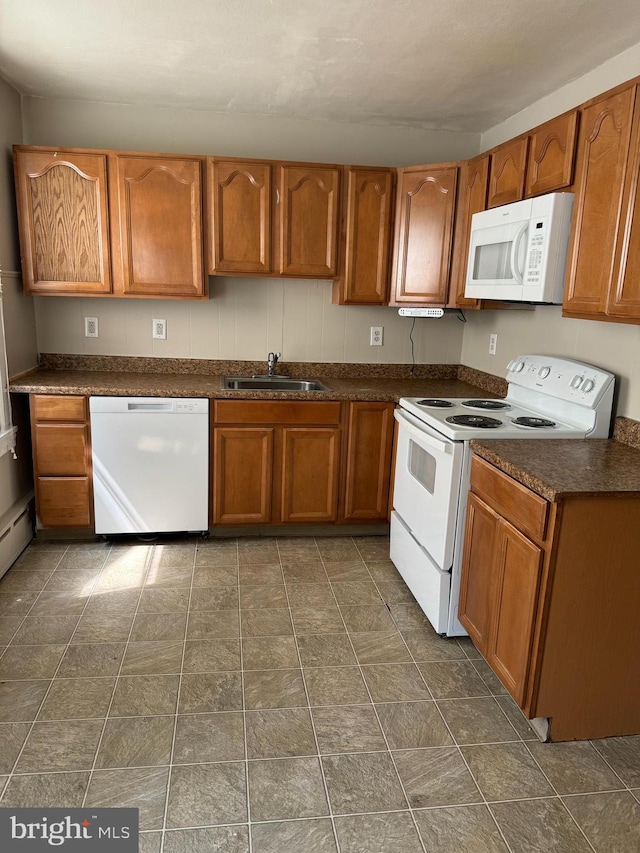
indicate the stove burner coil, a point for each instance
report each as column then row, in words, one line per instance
column 435, row 404
column 493, row 405
column 477, row 421
column 533, row 423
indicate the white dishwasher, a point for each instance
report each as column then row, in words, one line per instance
column 150, row 464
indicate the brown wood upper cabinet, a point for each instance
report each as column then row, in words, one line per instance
column 369, row 212
column 551, row 157
column 424, row 231
column 472, row 198
column 604, row 244
column 107, row 223
column 507, row 173
column 309, row 208
column 63, row 220
column 241, row 216
column 156, row 213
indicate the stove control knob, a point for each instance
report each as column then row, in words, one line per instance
column 576, row 382
column 518, row 367
column 587, row 385
column 544, row 372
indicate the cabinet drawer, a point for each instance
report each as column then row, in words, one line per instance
column 276, row 412
column 61, row 451
column 58, row 408
column 522, row 507
column 63, row 502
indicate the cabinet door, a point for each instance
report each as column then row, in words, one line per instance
column 603, row 147
column 369, row 211
column 156, row 211
column 507, row 174
column 310, row 468
column 424, row 231
column 242, row 475
column 552, row 149
column 63, row 221
column 477, row 578
column 517, row 566
column 240, row 197
column 472, row 198
column 368, row 461
column 624, row 296
column 309, row 203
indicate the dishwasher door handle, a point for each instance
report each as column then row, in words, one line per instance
column 150, row 407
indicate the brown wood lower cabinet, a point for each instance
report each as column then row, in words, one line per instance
column 549, row 595
column 275, row 461
column 298, row 462
column 368, row 471
column 61, row 461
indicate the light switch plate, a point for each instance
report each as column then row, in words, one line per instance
column 159, row 329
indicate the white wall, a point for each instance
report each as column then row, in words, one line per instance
column 15, row 476
column 244, row 318
column 613, row 346
column 85, row 124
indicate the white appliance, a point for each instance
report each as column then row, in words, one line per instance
column 150, row 464
column 547, row 397
column 518, row 252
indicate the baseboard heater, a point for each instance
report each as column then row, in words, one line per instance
column 16, row 531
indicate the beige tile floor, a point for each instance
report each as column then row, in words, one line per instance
column 280, row 696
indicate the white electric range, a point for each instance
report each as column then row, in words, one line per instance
column 547, row 397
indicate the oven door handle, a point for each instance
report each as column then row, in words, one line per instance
column 412, row 425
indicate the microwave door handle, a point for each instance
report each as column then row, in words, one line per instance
column 515, row 252
column 421, row 435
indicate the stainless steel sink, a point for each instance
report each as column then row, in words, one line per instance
column 270, row 383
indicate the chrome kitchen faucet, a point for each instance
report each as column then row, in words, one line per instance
column 272, row 361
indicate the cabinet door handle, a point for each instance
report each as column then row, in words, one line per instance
column 277, row 196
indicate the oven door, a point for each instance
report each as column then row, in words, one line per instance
column 427, row 484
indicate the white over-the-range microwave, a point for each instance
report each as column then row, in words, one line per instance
column 518, row 252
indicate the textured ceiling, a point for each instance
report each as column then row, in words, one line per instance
column 454, row 64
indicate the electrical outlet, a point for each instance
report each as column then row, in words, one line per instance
column 376, row 336
column 159, row 329
column 91, row 327
column 493, row 344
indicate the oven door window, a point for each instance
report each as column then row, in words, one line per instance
column 422, row 466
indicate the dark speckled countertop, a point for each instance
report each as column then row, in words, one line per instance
column 556, row 468
column 109, row 383
column 142, row 377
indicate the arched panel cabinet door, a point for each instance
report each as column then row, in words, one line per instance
column 63, row 221
column 507, row 175
column 369, row 212
column 424, row 234
column 156, row 214
column 240, row 200
column 309, row 206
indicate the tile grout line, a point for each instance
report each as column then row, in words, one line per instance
column 306, row 693
column 451, row 735
column 177, row 705
column 244, row 709
column 558, row 795
column 375, row 711
column 115, row 687
column 59, row 664
column 39, row 593
column 613, row 770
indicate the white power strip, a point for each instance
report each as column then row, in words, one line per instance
column 421, row 312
